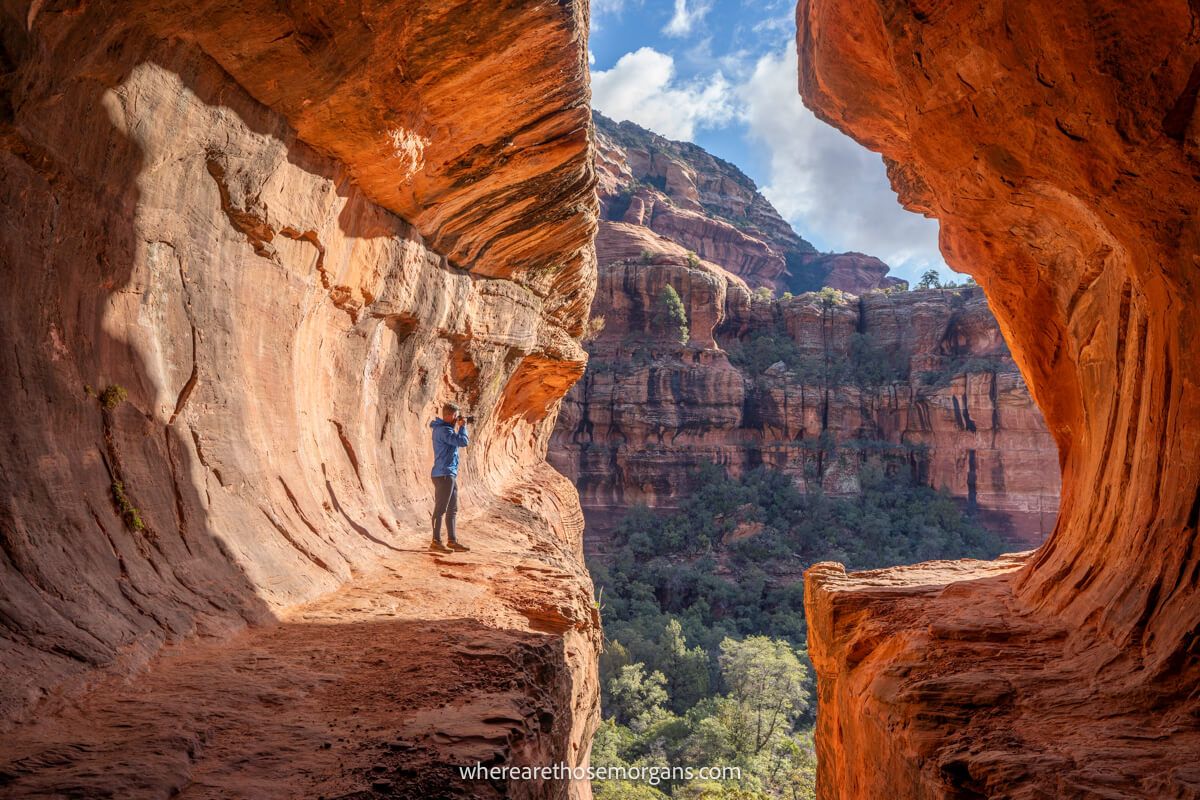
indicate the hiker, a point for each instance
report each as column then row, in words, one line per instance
column 446, row 442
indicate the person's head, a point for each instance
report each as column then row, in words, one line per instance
column 449, row 412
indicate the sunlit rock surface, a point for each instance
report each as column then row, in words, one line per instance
column 954, row 410
column 249, row 249
column 1056, row 142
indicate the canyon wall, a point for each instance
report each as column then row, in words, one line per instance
column 708, row 206
column 923, row 378
column 1057, row 145
column 249, row 250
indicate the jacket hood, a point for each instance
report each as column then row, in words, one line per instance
column 439, row 421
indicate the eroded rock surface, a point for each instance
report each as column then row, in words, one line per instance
column 249, row 250
column 1056, row 142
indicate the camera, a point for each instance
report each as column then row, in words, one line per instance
column 467, row 419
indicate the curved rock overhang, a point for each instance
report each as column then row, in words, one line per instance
column 1057, row 144
column 248, row 250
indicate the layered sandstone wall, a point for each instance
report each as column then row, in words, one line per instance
column 711, row 208
column 248, row 251
column 954, row 411
column 1056, row 143
column 953, row 406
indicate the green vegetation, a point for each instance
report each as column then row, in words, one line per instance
column 763, row 294
column 128, row 511
column 594, row 327
column 832, row 297
column 670, row 317
column 931, row 280
column 693, row 260
column 703, row 613
column 113, row 396
column 751, row 725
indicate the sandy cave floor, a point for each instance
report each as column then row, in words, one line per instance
column 377, row 689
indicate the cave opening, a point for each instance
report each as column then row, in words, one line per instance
column 946, row 678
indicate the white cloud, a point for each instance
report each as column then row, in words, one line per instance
column 833, row 190
column 642, row 87
column 685, row 19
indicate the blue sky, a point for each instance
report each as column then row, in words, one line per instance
column 722, row 73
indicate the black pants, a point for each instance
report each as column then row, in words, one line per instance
column 445, row 503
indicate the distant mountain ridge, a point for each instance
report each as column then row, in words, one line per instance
column 709, row 206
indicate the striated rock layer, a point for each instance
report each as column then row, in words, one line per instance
column 249, row 249
column 1057, row 144
column 711, row 208
column 941, row 395
column 952, row 410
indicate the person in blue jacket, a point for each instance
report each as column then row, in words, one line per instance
column 446, row 441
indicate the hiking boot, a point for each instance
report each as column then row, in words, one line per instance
column 459, row 547
column 438, row 547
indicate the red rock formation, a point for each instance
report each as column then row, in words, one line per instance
column 249, row 248
column 708, row 206
column 855, row 273
column 696, row 200
column 650, row 411
column 1056, row 143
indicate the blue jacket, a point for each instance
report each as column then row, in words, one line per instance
column 446, row 442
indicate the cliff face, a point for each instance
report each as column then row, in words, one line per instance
column 249, row 251
column 922, row 377
column 1056, row 142
column 709, row 207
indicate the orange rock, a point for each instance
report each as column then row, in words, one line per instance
column 855, row 273
column 1055, row 143
column 701, row 203
column 288, row 233
column 650, row 411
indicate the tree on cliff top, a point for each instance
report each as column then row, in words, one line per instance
column 670, row 317
column 929, row 280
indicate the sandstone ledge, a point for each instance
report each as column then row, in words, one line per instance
column 427, row 663
column 935, row 682
column 287, row 233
